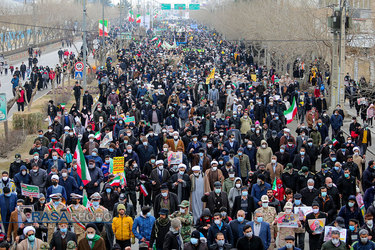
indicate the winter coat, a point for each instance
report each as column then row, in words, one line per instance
column 329, row 246
column 277, row 173
column 336, row 121
column 39, row 179
column 122, row 227
column 158, row 233
column 347, row 214
column 258, row 191
column 144, row 225
column 171, row 241
column 201, row 246
column 215, row 229
column 173, row 203
column 211, row 201
column 84, row 244
column 264, row 154
column 56, row 242
column 245, row 125
column 234, row 192
column 96, row 175
column 254, row 243
column 250, row 207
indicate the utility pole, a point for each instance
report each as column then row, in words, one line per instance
column 34, row 21
column 103, row 39
column 84, row 45
column 120, row 14
column 335, row 70
column 341, row 86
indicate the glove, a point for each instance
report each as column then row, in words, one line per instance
column 133, row 241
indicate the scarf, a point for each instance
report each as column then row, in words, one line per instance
column 93, row 240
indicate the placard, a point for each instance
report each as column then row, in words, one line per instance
column 30, row 190
column 328, row 233
column 317, row 225
column 108, row 138
column 118, row 164
column 174, row 158
column 287, row 220
column 302, row 212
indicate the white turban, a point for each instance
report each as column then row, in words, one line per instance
column 27, row 229
column 196, row 168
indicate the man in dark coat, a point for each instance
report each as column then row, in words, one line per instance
column 219, row 226
column 216, row 199
column 326, row 204
column 314, row 235
column 165, row 197
column 173, row 239
column 61, row 237
column 309, row 193
column 160, row 229
column 249, row 241
column 180, row 183
column 239, row 202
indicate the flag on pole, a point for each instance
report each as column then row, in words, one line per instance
column 116, row 181
column 210, row 76
column 85, row 201
column 62, row 105
column 155, row 38
column 291, row 112
column 159, row 44
column 97, row 135
column 131, row 16
column 274, row 186
column 138, row 18
column 143, row 190
column 82, row 168
column 335, row 142
column 101, row 27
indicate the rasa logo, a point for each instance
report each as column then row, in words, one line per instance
column 82, row 217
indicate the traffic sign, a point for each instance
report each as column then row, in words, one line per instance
column 78, row 66
column 180, row 6
column 78, row 75
column 194, row 6
column 166, row 6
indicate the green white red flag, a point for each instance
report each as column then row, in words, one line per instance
column 143, row 190
column 131, row 16
column 97, row 135
column 138, row 18
column 82, row 169
column 291, row 112
column 155, row 38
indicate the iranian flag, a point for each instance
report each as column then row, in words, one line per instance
column 159, row 44
column 82, row 168
column 62, row 105
column 97, row 135
column 106, row 30
column 274, row 186
column 138, row 18
column 155, row 38
column 291, row 112
column 335, row 142
column 234, row 85
column 143, row 190
column 131, row 16
column 116, row 181
column 85, row 201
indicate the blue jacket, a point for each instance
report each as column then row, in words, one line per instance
column 346, row 214
column 336, row 121
column 145, row 153
column 19, row 178
column 236, row 166
column 251, row 153
column 12, row 206
column 237, row 229
column 60, row 189
column 118, row 128
column 78, row 179
column 224, row 228
column 141, row 92
column 97, row 159
column 257, row 191
column 359, row 246
column 50, row 163
column 144, row 225
column 264, row 233
column 228, row 147
column 369, row 197
column 183, row 113
column 196, row 147
column 70, row 186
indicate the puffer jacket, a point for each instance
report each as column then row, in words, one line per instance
column 144, row 225
column 122, row 227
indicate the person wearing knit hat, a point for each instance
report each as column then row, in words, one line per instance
column 173, row 238
column 195, row 242
column 92, row 241
column 30, row 239
column 122, row 228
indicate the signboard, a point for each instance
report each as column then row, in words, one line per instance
column 79, row 66
column 328, row 233
column 194, row 6
column 287, row 220
column 3, row 107
column 317, row 225
column 118, row 164
column 180, row 6
column 302, row 212
column 129, row 120
column 78, row 75
column 166, row 6
column 30, row 190
column 174, row 158
column 108, row 138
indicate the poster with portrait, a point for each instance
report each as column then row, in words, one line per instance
column 302, row 212
column 317, row 225
column 328, row 233
column 287, row 220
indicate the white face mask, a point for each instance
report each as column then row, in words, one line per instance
column 238, row 185
column 214, row 168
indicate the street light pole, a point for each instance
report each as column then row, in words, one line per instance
column 84, row 45
column 341, row 86
column 103, row 40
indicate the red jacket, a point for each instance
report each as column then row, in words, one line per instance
column 22, row 97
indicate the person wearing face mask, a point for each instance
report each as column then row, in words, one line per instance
column 158, row 176
column 244, row 202
column 197, row 181
column 351, row 211
column 30, row 241
column 122, row 228
column 70, row 141
column 264, row 153
column 369, row 225
column 42, row 138
column 290, row 177
column 359, row 159
column 21, row 177
column 96, row 175
column 195, row 242
column 250, row 150
column 143, row 224
column 92, row 240
column 68, row 182
column 250, row 240
column 54, row 161
column 5, row 181
column 8, row 203
column 368, row 178
column 99, row 112
column 286, row 136
column 38, row 177
column 309, row 192
column 57, row 128
column 62, row 236
column 109, row 197
column 353, row 232
column 283, row 232
column 257, row 137
column 320, row 177
column 346, row 184
column 212, row 175
column 335, row 243
column 274, row 141
column 175, row 142
column 77, row 208
column 55, row 188
column 234, row 191
column 259, row 189
column 55, row 205
column 216, row 199
column 67, row 120
column 173, row 239
column 219, row 227
column 145, row 150
column 15, row 166
column 186, row 219
column 326, row 204
column 194, row 146
column 261, row 229
column 180, row 183
column 332, row 191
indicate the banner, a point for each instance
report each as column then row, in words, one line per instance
column 129, row 120
column 287, row 220
column 317, row 225
column 30, row 190
column 106, row 29
column 118, row 165
column 107, row 139
column 328, row 233
column 302, row 212
column 3, row 107
column 254, row 77
column 174, row 158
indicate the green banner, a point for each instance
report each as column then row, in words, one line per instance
column 30, row 190
column 3, row 107
column 166, row 6
column 180, row 6
column 194, row 6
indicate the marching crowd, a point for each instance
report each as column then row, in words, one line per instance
column 209, row 159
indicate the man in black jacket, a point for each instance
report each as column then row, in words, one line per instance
column 173, row 239
column 244, row 202
column 249, row 241
column 326, row 204
column 61, row 237
column 160, row 229
column 216, row 199
column 309, row 193
column 87, row 100
column 219, row 226
column 166, row 197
